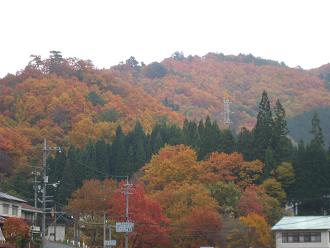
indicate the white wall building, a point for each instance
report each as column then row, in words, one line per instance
column 303, row 232
column 11, row 206
column 60, row 233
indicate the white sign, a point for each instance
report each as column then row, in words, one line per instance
column 35, row 228
column 110, row 242
column 124, row 227
column 206, row 247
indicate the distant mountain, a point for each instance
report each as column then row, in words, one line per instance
column 195, row 86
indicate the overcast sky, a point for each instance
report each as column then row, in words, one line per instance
column 110, row 31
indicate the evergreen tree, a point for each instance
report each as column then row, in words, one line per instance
column 270, row 163
column 67, row 184
column 210, row 139
column 280, row 142
column 88, row 158
column 245, row 143
column 190, row 133
column 200, row 129
column 137, row 140
column 79, row 167
column 102, row 158
column 56, row 166
column 148, row 148
column 119, row 154
column 175, row 135
column 156, row 141
column 263, row 130
column 228, row 141
column 311, row 169
column 316, row 131
column 55, row 170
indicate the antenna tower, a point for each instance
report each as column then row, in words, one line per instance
column 226, row 108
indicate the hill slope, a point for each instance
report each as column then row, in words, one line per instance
column 195, row 86
column 69, row 107
column 69, row 102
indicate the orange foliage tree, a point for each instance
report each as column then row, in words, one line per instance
column 231, row 168
column 253, row 233
column 88, row 204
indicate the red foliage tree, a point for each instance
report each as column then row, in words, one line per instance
column 203, row 227
column 250, row 202
column 16, row 230
column 150, row 225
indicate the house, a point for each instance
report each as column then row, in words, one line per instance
column 302, row 232
column 11, row 206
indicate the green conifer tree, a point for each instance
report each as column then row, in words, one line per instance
column 316, row 131
column 270, row 163
column 245, row 143
column 102, row 158
column 228, row 141
column 280, row 143
column 119, row 154
column 263, row 130
column 67, row 184
column 210, row 139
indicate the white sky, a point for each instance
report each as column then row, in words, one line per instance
column 110, row 31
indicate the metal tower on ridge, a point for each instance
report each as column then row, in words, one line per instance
column 226, row 108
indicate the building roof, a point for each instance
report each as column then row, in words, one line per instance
column 303, row 223
column 28, row 208
column 10, row 197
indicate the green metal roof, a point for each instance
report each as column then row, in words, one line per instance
column 303, row 223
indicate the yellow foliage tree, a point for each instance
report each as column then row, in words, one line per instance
column 254, row 232
column 172, row 165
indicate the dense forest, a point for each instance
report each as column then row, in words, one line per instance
column 161, row 125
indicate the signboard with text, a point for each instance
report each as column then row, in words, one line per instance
column 110, row 243
column 124, row 227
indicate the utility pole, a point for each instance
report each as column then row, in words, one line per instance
column 328, row 196
column 104, row 230
column 126, row 192
column 55, row 223
column 35, row 188
column 45, row 181
column 46, row 149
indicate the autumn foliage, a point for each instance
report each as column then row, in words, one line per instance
column 151, row 227
column 203, row 226
column 16, row 230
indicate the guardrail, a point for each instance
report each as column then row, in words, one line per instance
column 65, row 244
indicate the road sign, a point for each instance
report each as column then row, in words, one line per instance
column 110, row 242
column 124, row 227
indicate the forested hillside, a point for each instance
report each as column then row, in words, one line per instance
column 195, row 86
column 68, row 102
column 161, row 126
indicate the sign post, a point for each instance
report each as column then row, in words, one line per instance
column 124, row 227
column 109, row 243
